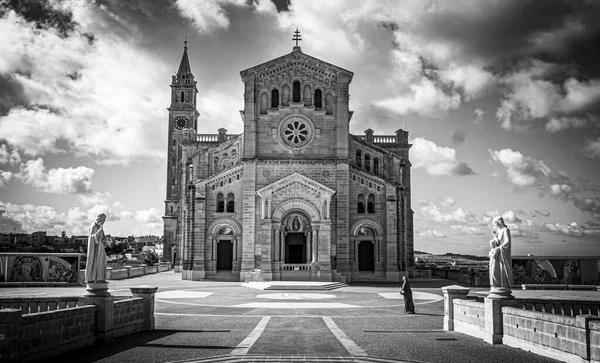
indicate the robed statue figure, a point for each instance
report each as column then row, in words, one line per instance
column 95, row 270
column 500, row 269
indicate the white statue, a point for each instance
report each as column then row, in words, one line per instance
column 95, row 270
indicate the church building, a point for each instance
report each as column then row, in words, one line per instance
column 296, row 196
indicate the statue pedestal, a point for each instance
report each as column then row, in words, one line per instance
column 99, row 288
column 500, row 293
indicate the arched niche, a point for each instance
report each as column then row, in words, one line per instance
column 290, row 205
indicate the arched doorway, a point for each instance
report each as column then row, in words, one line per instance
column 225, row 249
column 296, row 227
column 366, row 249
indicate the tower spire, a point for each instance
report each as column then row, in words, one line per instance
column 184, row 65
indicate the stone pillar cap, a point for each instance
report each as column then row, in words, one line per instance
column 143, row 289
column 455, row 289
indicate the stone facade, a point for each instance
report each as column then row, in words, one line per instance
column 295, row 191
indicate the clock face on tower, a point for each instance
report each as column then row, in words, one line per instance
column 181, row 122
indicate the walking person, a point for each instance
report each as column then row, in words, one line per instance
column 406, row 291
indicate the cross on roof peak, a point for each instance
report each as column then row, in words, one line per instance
column 185, row 43
column 297, row 36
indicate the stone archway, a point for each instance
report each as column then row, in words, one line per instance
column 225, row 236
column 297, row 229
column 366, row 237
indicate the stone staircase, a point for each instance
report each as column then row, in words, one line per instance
column 298, row 285
column 367, row 276
column 224, row 276
column 291, row 358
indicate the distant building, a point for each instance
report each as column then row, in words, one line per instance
column 38, row 238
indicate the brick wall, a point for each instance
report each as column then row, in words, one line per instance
column 469, row 317
column 595, row 341
column 50, row 333
column 555, row 336
column 128, row 316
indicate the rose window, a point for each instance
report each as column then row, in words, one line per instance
column 296, row 131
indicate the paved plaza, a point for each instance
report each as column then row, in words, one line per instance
column 196, row 320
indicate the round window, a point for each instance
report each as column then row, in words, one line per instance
column 296, row 131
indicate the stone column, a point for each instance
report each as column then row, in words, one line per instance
column 105, row 304
column 450, row 293
column 147, row 293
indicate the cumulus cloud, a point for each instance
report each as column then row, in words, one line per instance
column 207, row 16
column 58, row 180
column 522, row 171
column 434, row 233
column 591, row 148
column 435, row 213
column 466, row 229
column 7, row 156
column 478, row 116
column 532, row 95
column 151, row 222
column 75, row 221
column 78, row 87
column 437, row 160
column 95, row 198
column 5, row 178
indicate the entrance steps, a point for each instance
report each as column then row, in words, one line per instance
column 367, row 277
column 223, row 276
column 255, row 358
column 295, row 285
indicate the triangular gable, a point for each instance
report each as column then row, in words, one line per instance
column 293, row 183
column 295, row 55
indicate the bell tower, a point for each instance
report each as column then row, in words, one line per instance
column 183, row 126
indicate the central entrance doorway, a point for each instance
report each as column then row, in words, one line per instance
column 295, row 247
column 225, row 255
column 366, row 256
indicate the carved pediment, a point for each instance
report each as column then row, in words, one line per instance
column 294, row 185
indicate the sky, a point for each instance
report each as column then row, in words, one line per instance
column 501, row 99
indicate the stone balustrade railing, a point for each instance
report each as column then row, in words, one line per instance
column 39, row 304
column 296, row 267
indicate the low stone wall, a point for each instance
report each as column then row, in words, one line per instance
column 514, row 322
column 560, row 337
column 39, row 304
column 128, row 316
column 97, row 318
column 595, row 341
column 34, row 336
column 469, row 317
column 129, row 272
column 559, row 287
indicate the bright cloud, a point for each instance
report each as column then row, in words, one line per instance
column 591, row 148
column 57, row 181
column 79, row 88
column 437, row 160
column 93, row 199
column 467, row 229
column 207, row 16
column 431, row 233
column 151, row 221
column 522, row 171
column 5, row 178
column 11, row 157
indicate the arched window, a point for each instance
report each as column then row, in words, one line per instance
column 233, row 154
column 285, row 99
column 296, row 92
column 367, row 162
column 376, row 166
column 216, row 165
column 225, row 158
column 230, row 203
column 307, row 95
column 358, row 158
column 220, row 203
column 274, row 98
column 264, row 99
column 371, row 203
column 181, row 96
column 318, row 99
column 360, row 204
column 329, row 104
